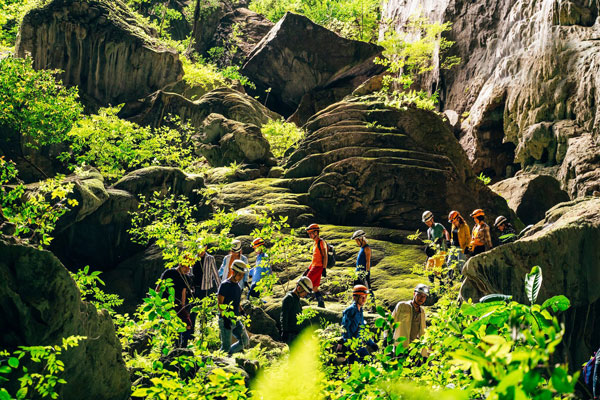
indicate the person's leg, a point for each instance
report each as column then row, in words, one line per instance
column 225, row 335
column 320, row 299
column 240, row 334
column 253, row 292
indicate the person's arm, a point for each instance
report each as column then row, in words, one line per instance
column 446, row 234
column 324, row 253
column 222, row 269
column 488, row 238
column 596, row 380
column 220, row 301
column 285, row 314
column 368, row 258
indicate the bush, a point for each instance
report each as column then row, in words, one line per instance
column 281, row 135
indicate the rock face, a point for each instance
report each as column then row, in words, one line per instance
column 530, row 196
column 565, row 246
column 100, row 47
column 528, row 80
column 40, row 304
column 208, row 19
column 237, row 34
column 365, row 163
column 291, row 68
column 223, row 141
column 225, row 101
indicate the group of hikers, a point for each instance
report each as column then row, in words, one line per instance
column 197, row 277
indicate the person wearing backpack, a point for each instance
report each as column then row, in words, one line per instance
column 363, row 260
column 318, row 265
column 591, row 375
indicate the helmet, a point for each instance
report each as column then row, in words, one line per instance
column 361, row 290
column 427, row 215
column 236, row 245
column 258, row 242
column 313, row 227
column 239, row 266
column 422, row 288
column 478, row 213
column 358, row 234
column 305, row 283
column 499, row 221
column 453, row 215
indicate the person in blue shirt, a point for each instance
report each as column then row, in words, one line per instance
column 363, row 260
column 262, row 267
column 235, row 253
column 353, row 322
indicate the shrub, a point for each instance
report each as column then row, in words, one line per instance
column 281, row 135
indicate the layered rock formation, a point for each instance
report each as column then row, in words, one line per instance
column 565, row 246
column 101, row 48
column 40, row 305
column 285, row 68
column 364, row 163
column 528, row 81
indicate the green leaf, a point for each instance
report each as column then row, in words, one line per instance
column 13, row 362
column 557, row 303
column 5, row 369
column 533, row 283
column 561, row 382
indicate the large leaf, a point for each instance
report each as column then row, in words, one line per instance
column 557, row 303
column 533, row 283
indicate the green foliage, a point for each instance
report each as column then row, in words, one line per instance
column 281, row 135
column 45, row 359
column 352, row 19
column 169, row 222
column 11, row 15
column 88, row 282
column 485, row 179
column 35, row 210
column 34, row 104
column 410, row 53
column 533, row 284
column 208, row 76
column 115, row 146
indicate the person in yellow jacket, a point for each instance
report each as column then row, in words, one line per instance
column 481, row 239
column 410, row 316
column 460, row 235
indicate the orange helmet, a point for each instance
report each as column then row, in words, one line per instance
column 452, row 216
column 313, row 227
column 258, row 242
column 478, row 213
column 361, row 290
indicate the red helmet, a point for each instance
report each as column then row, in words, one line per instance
column 361, row 290
column 258, row 242
column 452, row 216
column 313, row 227
column 478, row 213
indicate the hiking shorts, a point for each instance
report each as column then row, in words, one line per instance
column 314, row 274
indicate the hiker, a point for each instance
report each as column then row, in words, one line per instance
column 596, row 380
column 318, row 265
column 262, row 267
column 206, row 276
column 481, row 240
column 235, row 253
column 507, row 231
column 410, row 316
column 183, row 289
column 230, row 293
column 435, row 231
column 353, row 322
column 460, row 234
column 363, row 260
column 291, row 308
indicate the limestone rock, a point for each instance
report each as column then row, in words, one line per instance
column 101, row 48
column 291, row 68
column 225, row 101
column 527, row 82
column 207, row 22
column 530, row 196
column 565, row 246
column 260, row 321
column 40, row 304
column 371, row 164
column 223, row 141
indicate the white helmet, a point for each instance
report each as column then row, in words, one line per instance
column 306, row 284
column 239, row 266
column 422, row 288
column 427, row 215
column 358, row 234
column 236, row 245
column 499, row 221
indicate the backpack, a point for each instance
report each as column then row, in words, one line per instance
column 330, row 254
column 588, row 373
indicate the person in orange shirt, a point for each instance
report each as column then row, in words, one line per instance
column 318, row 265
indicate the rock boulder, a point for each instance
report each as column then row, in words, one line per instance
column 101, row 48
column 40, row 304
column 565, row 246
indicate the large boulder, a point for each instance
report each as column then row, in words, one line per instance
column 40, row 305
column 530, row 196
column 101, row 47
column 565, row 246
column 527, row 81
column 230, row 103
column 371, row 164
column 284, row 68
column 223, row 141
column 207, row 19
